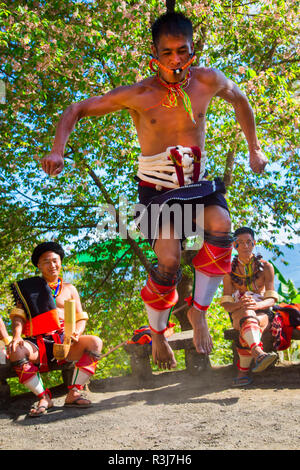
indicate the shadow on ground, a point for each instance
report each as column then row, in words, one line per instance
column 174, row 387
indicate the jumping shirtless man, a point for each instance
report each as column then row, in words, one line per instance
column 248, row 297
column 168, row 110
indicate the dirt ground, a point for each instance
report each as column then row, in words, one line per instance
column 175, row 411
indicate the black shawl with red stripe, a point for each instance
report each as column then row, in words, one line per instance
column 35, row 297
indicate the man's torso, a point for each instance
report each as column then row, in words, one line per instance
column 159, row 127
column 256, row 285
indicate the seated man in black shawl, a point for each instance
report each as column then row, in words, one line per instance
column 39, row 316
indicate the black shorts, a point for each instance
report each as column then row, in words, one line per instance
column 205, row 192
column 49, row 341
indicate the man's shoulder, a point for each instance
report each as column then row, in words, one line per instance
column 207, row 75
column 140, row 86
column 143, row 86
column 135, row 90
column 69, row 286
column 267, row 265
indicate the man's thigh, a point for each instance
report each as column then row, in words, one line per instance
column 28, row 350
column 213, row 218
column 168, row 245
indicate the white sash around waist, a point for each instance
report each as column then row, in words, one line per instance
column 160, row 170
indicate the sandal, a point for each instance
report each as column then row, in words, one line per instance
column 264, row 361
column 35, row 411
column 40, row 410
column 75, row 404
column 242, row 381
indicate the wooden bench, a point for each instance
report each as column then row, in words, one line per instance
column 6, row 372
column 140, row 355
column 267, row 340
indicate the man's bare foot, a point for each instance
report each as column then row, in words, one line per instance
column 44, row 404
column 202, row 339
column 163, row 355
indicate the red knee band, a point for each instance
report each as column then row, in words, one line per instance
column 190, row 301
column 77, row 386
column 243, row 352
column 45, row 392
column 26, row 371
column 213, row 260
column 87, row 363
column 159, row 297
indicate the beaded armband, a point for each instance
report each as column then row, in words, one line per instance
column 226, row 298
column 81, row 316
column 18, row 312
column 271, row 294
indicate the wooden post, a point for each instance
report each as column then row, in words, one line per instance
column 139, row 360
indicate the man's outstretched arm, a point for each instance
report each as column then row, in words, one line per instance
column 113, row 101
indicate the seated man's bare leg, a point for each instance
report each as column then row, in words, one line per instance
column 30, row 352
column 86, row 352
column 256, row 352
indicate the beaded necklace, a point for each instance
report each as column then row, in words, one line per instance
column 56, row 288
column 175, row 90
column 253, row 269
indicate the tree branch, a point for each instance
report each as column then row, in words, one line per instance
column 135, row 247
column 227, row 177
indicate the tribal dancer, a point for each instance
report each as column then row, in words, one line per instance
column 39, row 317
column 168, row 110
column 248, row 297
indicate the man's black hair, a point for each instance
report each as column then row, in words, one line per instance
column 242, row 230
column 173, row 23
column 46, row 246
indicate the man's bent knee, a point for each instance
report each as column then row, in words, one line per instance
column 94, row 344
column 243, row 315
column 85, row 344
column 169, row 264
column 216, row 220
column 25, row 351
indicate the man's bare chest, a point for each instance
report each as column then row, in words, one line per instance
column 64, row 295
column 249, row 277
column 246, row 284
column 156, row 102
